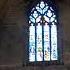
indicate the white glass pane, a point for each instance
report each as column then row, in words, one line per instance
column 39, row 43
column 32, row 9
column 29, row 21
column 45, row 9
column 46, row 18
column 42, row 4
column 51, row 8
column 46, row 43
column 32, row 19
column 54, row 55
column 39, row 9
column 55, row 20
column 50, row 53
column 52, row 19
column 54, row 16
column 49, row 13
column 35, row 14
column 38, row 19
column 32, row 43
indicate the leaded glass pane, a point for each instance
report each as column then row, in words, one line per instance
column 52, row 19
column 39, row 43
column 35, row 14
column 46, row 19
column 55, row 21
column 39, row 10
column 32, row 43
column 51, row 9
column 54, row 55
column 38, row 19
column 42, row 34
column 32, row 19
column 46, row 43
column 45, row 9
column 49, row 13
column 42, row 5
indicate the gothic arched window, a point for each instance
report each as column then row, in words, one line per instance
column 43, row 33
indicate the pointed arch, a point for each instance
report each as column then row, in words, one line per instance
column 43, row 33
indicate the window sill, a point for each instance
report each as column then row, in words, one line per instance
column 43, row 63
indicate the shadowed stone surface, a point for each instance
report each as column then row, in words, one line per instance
column 13, row 35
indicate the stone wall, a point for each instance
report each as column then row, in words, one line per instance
column 13, row 36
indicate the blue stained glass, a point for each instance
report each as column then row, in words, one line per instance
column 32, row 19
column 45, row 9
column 39, row 10
column 51, row 9
column 52, row 19
column 54, row 16
column 32, row 9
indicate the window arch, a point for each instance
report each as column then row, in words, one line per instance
column 43, row 33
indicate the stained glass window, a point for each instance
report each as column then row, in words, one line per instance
column 43, row 33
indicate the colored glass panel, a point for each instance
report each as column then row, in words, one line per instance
column 32, row 19
column 46, row 43
column 42, row 46
column 35, row 14
column 39, row 43
column 54, row 55
column 49, row 13
column 32, row 43
column 42, row 5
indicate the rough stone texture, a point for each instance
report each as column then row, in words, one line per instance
column 13, row 35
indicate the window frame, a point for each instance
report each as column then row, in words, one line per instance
column 60, row 50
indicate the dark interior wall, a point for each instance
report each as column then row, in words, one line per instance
column 13, row 34
column 65, row 19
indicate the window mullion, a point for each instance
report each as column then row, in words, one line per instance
column 43, row 36
column 35, row 42
column 50, row 39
